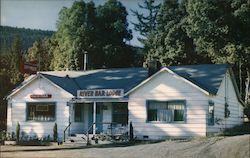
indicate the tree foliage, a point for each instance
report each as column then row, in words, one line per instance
column 42, row 53
column 100, row 31
column 170, row 43
column 27, row 36
column 203, row 31
column 221, row 30
column 10, row 75
column 146, row 23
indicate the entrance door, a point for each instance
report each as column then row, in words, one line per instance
column 99, row 117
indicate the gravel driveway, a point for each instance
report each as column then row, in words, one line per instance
column 215, row 147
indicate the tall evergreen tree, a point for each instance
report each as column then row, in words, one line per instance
column 146, row 23
column 112, row 32
column 41, row 53
column 14, row 60
column 170, row 43
column 72, row 36
column 10, row 75
column 101, row 32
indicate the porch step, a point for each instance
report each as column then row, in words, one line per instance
column 83, row 136
column 77, row 140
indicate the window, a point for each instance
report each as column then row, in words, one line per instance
column 78, row 113
column 211, row 113
column 166, row 111
column 120, row 113
column 41, row 111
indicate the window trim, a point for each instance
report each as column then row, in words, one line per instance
column 44, row 102
column 165, row 122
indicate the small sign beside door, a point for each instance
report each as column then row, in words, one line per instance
column 100, row 93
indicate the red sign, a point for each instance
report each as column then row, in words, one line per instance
column 40, row 96
column 28, row 67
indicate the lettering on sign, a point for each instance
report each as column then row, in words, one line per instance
column 100, row 93
column 40, row 96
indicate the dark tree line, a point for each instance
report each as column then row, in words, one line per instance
column 10, row 75
column 27, row 36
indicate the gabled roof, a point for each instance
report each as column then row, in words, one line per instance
column 207, row 78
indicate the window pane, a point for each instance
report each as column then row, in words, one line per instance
column 78, row 113
column 177, row 108
column 178, row 115
column 211, row 114
column 152, row 115
column 41, row 111
column 120, row 113
column 166, row 111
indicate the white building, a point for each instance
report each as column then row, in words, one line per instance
column 180, row 101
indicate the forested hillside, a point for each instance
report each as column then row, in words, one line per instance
column 27, row 36
column 13, row 42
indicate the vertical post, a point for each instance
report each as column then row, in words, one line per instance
column 85, row 62
column 39, row 62
column 70, row 115
column 240, row 79
column 94, row 118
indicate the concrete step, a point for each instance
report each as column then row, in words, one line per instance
column 77, row 139
column 81, row 136
column 75, row 144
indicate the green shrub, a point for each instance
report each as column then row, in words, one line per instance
column 2, row 136
column 17, row 132
column 55, row 134
column 238, row 130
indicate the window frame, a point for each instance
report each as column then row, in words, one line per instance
column 40, row 103
column 166, row 101
column 209, row 123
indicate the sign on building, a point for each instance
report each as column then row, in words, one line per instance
column 100, row 93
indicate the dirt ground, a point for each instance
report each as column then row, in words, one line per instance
column 214, row 147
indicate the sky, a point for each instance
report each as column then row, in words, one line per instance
column 43, row 14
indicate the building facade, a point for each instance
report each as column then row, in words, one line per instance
column 178, row 101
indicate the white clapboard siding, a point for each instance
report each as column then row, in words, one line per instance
column 165, row 87
column 17, row 109
column 236, row 109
